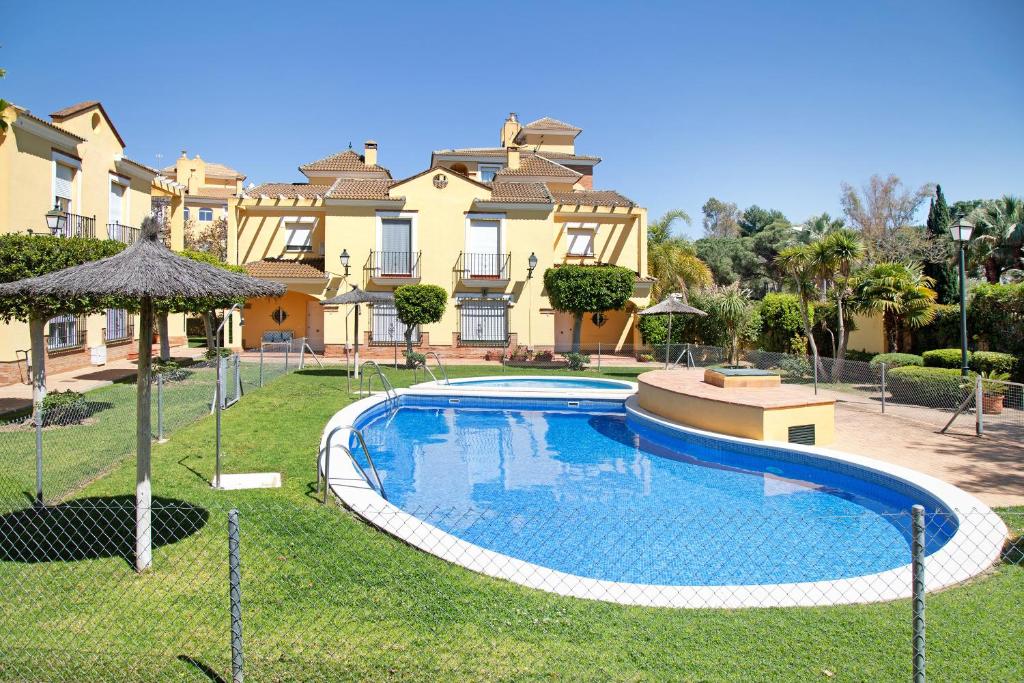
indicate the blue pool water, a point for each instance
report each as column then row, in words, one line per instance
column 596, row 493
column 542, row 383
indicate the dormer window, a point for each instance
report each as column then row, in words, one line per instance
column 488, row 171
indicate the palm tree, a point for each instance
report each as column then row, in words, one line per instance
column 901, row 292
column 735, row 310
column 798, row 263
column 816, row 227
column 999, row 236
column 832, row 259
column 673, row 261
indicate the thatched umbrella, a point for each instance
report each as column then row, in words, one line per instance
column 672, row 304
column 145, row 271
column 358, row 296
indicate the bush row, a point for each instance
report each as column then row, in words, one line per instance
column 979, row 361
column 928, row 386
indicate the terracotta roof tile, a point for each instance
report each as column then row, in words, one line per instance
column 288, row 190
column 358, row 188
column 140, row 165
column 592, row 198
column 285, row 269
column 526, row 193
column 214, row 192
column 74, row 109
column 348, row 160
column 500, row 152
column 549, row 123
column 29, row 115
column 537, row 165
column 213, row 169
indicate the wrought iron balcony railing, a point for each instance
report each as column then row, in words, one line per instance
column 122, row 233
column 393, row 264
column 472, row 266
column 78, row 226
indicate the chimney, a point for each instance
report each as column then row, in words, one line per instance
column 184, row 154
column 513, row 157
column 370, row 153
column 509, row 130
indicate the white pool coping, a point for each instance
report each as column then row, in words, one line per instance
column 469, row 384
column 975, row 546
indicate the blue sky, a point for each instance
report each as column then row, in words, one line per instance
column 770, row 103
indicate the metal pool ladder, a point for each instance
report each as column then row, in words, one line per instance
column 389, row 389
column 444, row 373
column 327, row 463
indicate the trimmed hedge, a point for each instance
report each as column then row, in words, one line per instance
column 944, row 358
column 929, row 386
column 979, row 361
column 897, row 360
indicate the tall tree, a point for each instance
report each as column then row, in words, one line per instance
column 832, row 259
column 720, row 218
column 587, row 289
column 818, row 226
column 755, row 219
column 880, row 208
column 797, row 263
column 942, row 270
column 901, row 292
column 999, row 236
column 660, row 229
column 673, row 261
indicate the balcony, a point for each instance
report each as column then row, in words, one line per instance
column 393, row 267
column 122, row 233
column 77, row 226
column 482, row 270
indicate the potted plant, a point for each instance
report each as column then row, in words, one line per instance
column 993, row 392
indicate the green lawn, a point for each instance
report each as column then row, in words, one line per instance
column 327, row 598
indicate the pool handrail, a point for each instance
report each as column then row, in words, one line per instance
column 444, row 372
column 327, row 462
column 389, row 389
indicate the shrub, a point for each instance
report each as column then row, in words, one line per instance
column 995, row 317
column 942, row 332
column 796, row 368
column 929, row 386
column 944, row 358
column 644, row 357
column 64, row 407
column 212, row 353
column 576, row 361
column 993, row 362
column 781, row 322
column 544, row 357
column 897, row 360
column 414, row 359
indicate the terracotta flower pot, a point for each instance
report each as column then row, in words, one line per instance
column 992, row 404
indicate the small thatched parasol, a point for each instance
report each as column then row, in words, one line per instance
column 145, row 271
column 358, row 296
column 671, row 305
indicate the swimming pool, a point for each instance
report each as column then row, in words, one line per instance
column 597, row 491
column 529, row 382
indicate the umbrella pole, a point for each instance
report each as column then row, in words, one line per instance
column 356, row 364
column 668, row 341
column 143, row 486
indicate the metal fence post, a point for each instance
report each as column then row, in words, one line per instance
column 599, row 356
column 815, row 358
column 238, row 377
column 261, row 365
column 235, row 592
column 979, row 406
column 286, row 350
column 917, row 573
column 39, row 453
column 883, row 386
column 160, row 408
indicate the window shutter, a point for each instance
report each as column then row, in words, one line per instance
column 396, row 236
column 62, row 182
column 298, row 238
column 116, row 200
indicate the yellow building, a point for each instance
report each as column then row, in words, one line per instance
column 74, row 161
column 469, row 223
column 208, row 187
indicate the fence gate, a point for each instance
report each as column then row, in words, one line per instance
column 483, row 322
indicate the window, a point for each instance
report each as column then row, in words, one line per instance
column 66, row 332
column 118, row 325
column 298, row 237
column 483, row 322
column 387, row 328
column 62, row 181
column 581, row 241
column 488, row 171
column 395, row 246
column 116, row 202
column 186, row 213
column 483, row 247
column 206, row 214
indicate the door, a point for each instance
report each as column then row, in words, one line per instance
column 116, row 202
column 395, row 247
column 483, row 248
column 315, row 325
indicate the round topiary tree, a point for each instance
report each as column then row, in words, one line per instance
column 587, row 289
column 418, row 305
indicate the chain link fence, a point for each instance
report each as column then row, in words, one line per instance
column 312, row 593
column 83, row 439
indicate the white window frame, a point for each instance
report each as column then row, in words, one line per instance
column 499, row 217
column 208, row 210
column 125, row 184
column 187, row 215
column 75, row 165
column 411, row 216
column 581, row 230
column 492, row 168
column 299, row 223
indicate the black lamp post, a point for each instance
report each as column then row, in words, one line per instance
column 344, row 260
column 533, row 264
column 56, row 220
column 961, row 231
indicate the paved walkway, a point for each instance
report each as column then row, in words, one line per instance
column 14, row 397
